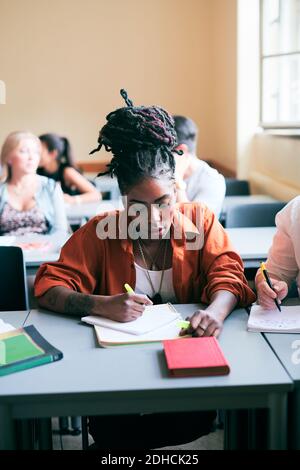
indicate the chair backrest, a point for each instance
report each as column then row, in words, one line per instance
column 236, row 187
column 253, row 215
column 13, row 285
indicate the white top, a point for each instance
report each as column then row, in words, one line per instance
column 206, row 185
column 284, row 254
column 143, row 286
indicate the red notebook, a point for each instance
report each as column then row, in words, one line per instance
column 195, row 356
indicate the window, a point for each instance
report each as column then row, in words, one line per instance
column 280, row 63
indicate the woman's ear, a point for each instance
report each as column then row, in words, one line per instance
column 183, row 148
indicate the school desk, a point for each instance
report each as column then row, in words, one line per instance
column 80, row 213
column 35, row 257
column 134, row 379
column 287, row 348
column 252, row 243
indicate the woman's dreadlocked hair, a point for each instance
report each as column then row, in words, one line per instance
column 142, row 141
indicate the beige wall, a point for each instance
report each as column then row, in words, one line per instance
column 223, row 122
column 274, row 166
column 64, row 61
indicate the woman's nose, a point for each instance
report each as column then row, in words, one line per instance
column 155, row 214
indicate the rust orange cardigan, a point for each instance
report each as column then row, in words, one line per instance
column 91, row 265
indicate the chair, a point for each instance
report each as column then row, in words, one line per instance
column 253, row 215
column 236, row 187
column 13, row 286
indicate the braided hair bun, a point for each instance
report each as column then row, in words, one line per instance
column 142, row 140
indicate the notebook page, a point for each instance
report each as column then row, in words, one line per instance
column 288, row 320
column 109, row 337
column 154, row 316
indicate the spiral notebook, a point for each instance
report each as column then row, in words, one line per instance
column 273, row 321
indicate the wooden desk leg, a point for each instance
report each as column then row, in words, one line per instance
column 277, row 436
column 7, row 429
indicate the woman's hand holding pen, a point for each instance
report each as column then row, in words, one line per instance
column 266, row 295
column 123, row 307
column 203, row 323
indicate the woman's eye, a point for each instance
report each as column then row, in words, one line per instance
column 164, row 205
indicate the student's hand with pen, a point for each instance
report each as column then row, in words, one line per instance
column 124, row 307
column 203, row 323
column 266, row 295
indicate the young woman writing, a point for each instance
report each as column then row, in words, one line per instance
column 158, row 257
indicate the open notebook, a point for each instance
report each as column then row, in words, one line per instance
column 157, row 323
column 273, row 321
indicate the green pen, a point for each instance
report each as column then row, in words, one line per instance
column 183, row 324
column 130, row 291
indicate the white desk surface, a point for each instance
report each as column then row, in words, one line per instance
column 35, row 257
column 252, row 242
column 89, row 210
column 137, row 368
column 231, row 201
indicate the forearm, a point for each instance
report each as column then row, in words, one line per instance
column 222, row 303
column 63, row 300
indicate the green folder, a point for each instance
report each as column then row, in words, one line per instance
column 25, row 348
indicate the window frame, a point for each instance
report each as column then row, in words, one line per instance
column 268, row 126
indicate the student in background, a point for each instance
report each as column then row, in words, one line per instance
column 29, row 203
column 156, row 264
column 283, row 262
column 57, row 162
column 195, row 179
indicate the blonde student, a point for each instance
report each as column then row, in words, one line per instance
column 29, row 203
column 158, row 248
column 283, row 263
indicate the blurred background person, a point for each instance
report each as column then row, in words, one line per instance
column 195, row 179
column 57, row 162
column 29, row 203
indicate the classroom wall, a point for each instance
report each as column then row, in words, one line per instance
column 274, row 166
column 224, row 83
column 64, row 62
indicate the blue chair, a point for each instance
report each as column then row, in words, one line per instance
column 236, row 187
column 253, row 215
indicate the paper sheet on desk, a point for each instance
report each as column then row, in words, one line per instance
column 154, row 316
column 273, row 321
column 107, row 337
column 4, row 327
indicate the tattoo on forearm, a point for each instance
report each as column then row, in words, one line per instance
column 52, row 298
column 78, row 304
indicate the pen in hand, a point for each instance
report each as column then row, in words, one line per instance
column 129, row 289
column 268, row 281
